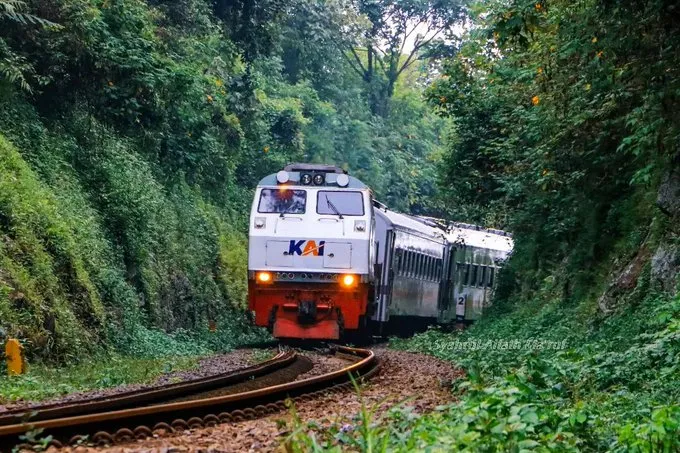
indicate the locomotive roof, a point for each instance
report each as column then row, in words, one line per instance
column 295, row 171
column 408, row 222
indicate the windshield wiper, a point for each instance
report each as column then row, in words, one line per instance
column 285, row 211
column 332, row 206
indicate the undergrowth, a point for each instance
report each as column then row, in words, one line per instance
column 43, row 381
column 541, row 377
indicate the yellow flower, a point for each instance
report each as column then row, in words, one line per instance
column 587, row 87
column 540, row 70
column 594, row 40
column 110, row 83
column 538, row 6
column 266, row 149
column 210, row 99
column 535, row 100
column 599, row 54
column 219, row 83
column 442, row 99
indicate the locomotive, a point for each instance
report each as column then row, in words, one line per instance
column 326, row 260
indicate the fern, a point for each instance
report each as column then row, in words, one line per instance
column 14, row 10
column 13, row 67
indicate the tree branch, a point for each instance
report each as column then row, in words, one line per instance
column 358, row 60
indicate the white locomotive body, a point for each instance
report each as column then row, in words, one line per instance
column 310, row 252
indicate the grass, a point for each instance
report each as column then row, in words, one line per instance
column 613, row 385
column 43, row 381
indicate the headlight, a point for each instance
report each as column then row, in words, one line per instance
column 318, row 179
column 282, row 177
column 360, row 226
column 342, row 180
column 263, row 277
column 306, row 179
column 348, row 280
column 260, row 222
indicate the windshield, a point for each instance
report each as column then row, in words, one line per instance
column 346, row 203
column 282, row 201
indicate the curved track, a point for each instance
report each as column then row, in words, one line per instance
column 102, row 425
column 141, row 397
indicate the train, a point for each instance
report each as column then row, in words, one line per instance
column 327, row 261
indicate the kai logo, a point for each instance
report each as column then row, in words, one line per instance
column 306, row 248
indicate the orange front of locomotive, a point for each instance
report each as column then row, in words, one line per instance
column 322, row 307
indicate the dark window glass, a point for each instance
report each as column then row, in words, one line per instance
column 473, row 275
column 482, row 278
column 346, row 203
column 282, row 201
column 492, row 272
column 467, row 275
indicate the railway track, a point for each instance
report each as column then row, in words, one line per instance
column 138, row 414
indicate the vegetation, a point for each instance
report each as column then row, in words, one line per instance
column 565, row 130
column 131, row 136
column 132, row 133
column 44, row 382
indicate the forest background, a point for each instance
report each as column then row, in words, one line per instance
column 132, row 134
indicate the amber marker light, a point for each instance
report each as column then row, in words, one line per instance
column 348, row 280
column 264, row 277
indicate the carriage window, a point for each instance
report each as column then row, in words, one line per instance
column 466, row 271
column 430, row 268
column 473, row 275
column 438, row 271
column 418, row 267
column 482, row 277
column 492, row 271
column 339, row 202
column 284, row 201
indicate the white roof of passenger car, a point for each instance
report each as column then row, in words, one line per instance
column 480, row 238
column 407, row 222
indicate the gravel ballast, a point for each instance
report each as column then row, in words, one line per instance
column 416, row 380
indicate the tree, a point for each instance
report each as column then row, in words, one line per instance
column 13, row 67
column 383, row 38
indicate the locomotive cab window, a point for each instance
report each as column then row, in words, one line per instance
column 282, row 201
column 333, row 202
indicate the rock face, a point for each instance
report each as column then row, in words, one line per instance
column 626, row 280
column 666, row 266
column 668, row 199
column 666, row 259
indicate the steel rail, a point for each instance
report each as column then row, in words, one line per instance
column 191, row 414
column 139, row 397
